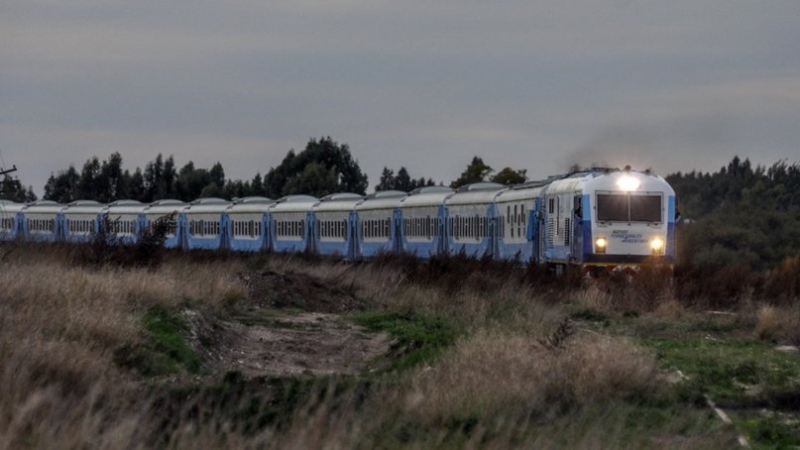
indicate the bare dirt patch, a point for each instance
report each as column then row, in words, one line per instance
column 291, row 325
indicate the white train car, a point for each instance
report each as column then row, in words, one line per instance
column 472, row 219
column 42, row 221
column 378, row 224
column 247, row 224
column 10, row 220
column 518, row 220
column 422, row 214
column 289, row 223
column 333, row 226
column 125, row 219
column 204, row 224
column 162, row 209
column 80, row 220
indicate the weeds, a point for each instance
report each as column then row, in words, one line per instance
column 485, row 354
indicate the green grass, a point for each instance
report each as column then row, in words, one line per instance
column 164, row 351
column 720, row 357
column 418, row 338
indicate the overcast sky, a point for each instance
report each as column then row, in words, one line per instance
column 536, row 85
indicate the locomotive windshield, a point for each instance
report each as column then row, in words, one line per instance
column 628, row 208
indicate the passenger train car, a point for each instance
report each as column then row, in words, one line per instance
column 594, row 218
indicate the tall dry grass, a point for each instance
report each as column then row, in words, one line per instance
column 491, row 373
column 498, row 387
column 59, row 327
column 778, row 324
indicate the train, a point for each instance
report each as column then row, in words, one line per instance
column 600, row 218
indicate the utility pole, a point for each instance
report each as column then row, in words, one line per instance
column 7, row 171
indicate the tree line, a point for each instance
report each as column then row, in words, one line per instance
column 741, row 215
column 323, row 167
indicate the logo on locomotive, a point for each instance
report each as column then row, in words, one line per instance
column 628, row 237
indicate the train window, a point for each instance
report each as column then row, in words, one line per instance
column 645, row 208
column 628, row 208
column 612, row 207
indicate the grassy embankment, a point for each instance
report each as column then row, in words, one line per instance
column 482, row 355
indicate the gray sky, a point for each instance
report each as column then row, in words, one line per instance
column 678, row 85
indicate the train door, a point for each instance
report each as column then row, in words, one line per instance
column 577, row 229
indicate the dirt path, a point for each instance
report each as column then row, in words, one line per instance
column 279, row 341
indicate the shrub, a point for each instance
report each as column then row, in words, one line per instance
column 782, row 284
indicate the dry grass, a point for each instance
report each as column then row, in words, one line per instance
column 59, row 327
column 779, row 324
column 498, row 387
column 490, row 373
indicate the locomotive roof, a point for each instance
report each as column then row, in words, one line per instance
column 608, row 180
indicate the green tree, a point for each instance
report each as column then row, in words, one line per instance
column 217, row 174
column 12, row 189
column 509, row 176
column 115, row 179
column 387, row 180
column 475, row 172
column 333, row 157
column 190, row 182
column 62, row 187
column 159, row 179
column 257, row 186
column 136, row 189
column 315, row 180
column 403, row 181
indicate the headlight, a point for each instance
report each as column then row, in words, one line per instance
column 627, row 183
column 657, row 244
column 600, row 245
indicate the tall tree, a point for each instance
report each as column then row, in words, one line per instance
column 334, row 158
column 62, row 187
column 116, row 182
column 12, row 189
column 475, row 172
column 403, row 181
column 257, row 186
column 315, row 180
column 159, row 178
column 217, row 175
column 386, row 182
column 190, row 182
column 509, row 176
column 136, row 189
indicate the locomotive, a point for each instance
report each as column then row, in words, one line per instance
column 596, row 218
